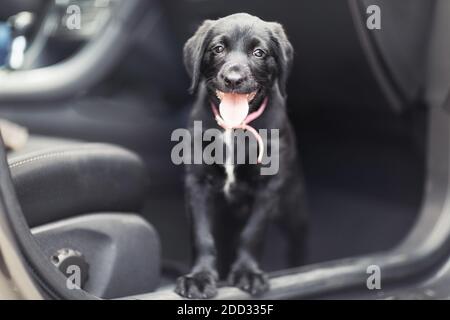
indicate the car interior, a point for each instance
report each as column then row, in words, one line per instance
column 96, row 184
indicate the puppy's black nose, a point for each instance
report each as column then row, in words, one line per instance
column 233, row 79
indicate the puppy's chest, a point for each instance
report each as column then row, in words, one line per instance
column 238, row 179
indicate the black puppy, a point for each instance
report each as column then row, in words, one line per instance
column 239, row 65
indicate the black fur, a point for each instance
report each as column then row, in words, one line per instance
column 228, row 231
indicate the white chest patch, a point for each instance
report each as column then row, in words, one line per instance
column 229, row 166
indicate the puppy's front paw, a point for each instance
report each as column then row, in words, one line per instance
column 249, row 279
column 197, row 285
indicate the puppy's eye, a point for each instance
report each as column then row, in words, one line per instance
column 259, row 53
column 218, row 49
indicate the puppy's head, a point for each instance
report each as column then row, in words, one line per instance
column 240, row 58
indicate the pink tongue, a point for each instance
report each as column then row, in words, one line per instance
column 233, row 108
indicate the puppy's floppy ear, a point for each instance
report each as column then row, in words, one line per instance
column 193, row 53
column 285, row 54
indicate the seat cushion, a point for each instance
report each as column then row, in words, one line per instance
column 57, row 178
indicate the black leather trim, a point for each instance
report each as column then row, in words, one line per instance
column 67, row 178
